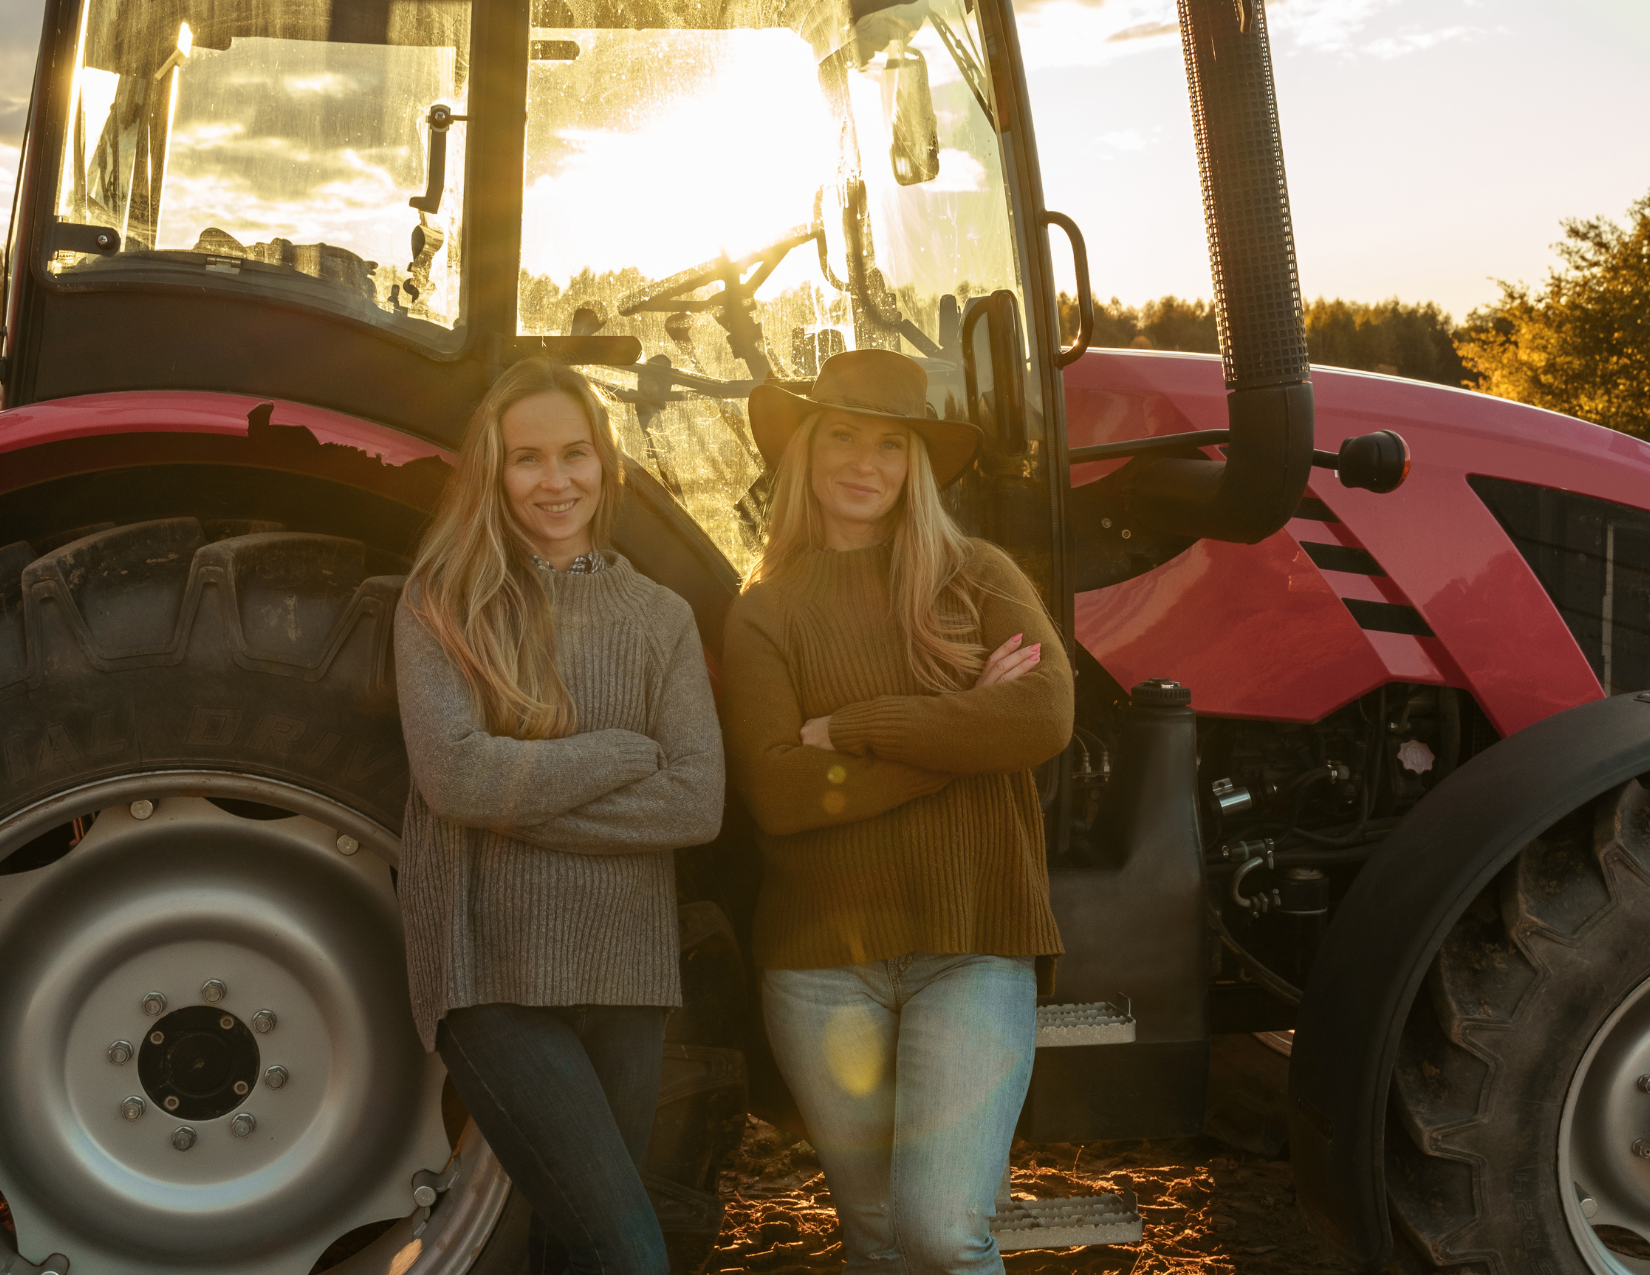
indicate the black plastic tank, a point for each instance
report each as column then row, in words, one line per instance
column 1135, row 926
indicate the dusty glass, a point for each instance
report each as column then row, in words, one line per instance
column 750, row 196
column 270, row 147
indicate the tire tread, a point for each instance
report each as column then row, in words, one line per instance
column 1506, row 991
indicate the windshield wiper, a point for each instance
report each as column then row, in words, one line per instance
column 972, row 72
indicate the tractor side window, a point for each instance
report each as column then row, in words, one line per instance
column 271, row 148
column 749, row 198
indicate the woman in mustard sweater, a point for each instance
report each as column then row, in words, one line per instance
column 888, row 686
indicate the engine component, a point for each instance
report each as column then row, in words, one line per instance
column 1231, row 799
column 1303, row 892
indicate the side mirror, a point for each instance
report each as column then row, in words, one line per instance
column 993, row 345
column 915, row 152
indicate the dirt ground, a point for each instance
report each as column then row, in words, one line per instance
column 1206, row 1208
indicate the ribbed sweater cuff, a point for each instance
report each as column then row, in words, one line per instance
column 861, row 727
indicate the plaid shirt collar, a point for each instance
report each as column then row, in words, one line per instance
column 586, row 564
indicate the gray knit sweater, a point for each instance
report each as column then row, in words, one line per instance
column 539, row 872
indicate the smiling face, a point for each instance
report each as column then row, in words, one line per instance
column 552, row 475
column 857, row 473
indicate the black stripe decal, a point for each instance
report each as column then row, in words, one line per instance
column 1387, row 617
column 1314, row 510
column 1346, row 558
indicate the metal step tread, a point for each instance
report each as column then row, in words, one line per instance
column 1097, row 1023
column 1079, row 1220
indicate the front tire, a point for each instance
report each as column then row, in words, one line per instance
column 1518, row 1125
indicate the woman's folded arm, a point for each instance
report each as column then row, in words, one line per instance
column 1003, row 728
column 471, row 777
column 789, row 786
column 678, row 805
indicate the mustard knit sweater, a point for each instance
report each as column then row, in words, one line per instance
column 922, row 831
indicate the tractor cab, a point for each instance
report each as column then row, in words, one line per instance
column 374, row 207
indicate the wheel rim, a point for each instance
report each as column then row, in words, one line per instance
column 1604, row 1135
column 210, row 1063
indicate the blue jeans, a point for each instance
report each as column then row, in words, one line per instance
column 565, row 1097
column 910, row 1074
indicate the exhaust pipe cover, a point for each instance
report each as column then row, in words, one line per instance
column 1256, row 489
column 1245, row 195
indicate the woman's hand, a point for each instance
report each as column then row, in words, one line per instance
column 1007, row 662
column 816, row 733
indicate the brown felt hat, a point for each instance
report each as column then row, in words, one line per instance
column 876, row 383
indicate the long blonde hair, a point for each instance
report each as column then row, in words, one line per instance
column 478, row 592
column 929, row 582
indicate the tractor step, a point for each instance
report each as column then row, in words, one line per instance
column 1076, row 1221
column 1098, row 1023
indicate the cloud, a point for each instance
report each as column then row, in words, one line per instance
column 1322, row 26
column 960, row 173
column 1394, row 46
column 1073, row 33
column 1057, row 33
column 9, row 155
column 19, row 38
column 1145, row 31
column 1126, row 139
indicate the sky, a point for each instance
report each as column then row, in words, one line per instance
column 1432, row 146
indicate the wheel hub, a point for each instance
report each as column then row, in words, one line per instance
column 1604, row 1143
column 208, row 1061
column 199, row 1063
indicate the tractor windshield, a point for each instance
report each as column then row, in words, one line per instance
column 273, row 147
column 748, row 193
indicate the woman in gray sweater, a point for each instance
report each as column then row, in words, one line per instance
column 563, row 741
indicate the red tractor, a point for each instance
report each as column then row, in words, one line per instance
column 1351, row 758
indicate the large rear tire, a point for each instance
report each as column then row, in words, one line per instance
column 212, row 706
column 1519, row 1124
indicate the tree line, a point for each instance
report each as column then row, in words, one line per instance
column 1578, row 344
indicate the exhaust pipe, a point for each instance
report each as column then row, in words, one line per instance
column 1257, row 294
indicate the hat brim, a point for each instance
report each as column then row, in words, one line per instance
column 776, row 414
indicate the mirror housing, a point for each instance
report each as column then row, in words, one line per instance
column 992, row 340
column 1376, row 462
column 915, row 152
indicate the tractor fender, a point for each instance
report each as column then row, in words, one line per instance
column 1391, row 924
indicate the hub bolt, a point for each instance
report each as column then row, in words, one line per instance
column 424, row 1196
column 213, row 991
column 120, row 1052
column 1644, row 1084
column 348, row 845
column 183, row 1137
column 1641, row 1148
column 132, row 1108
column 171, row 1103
column 263, row 1021
column 157, row 1038
column 276, row 1076
column 154, row 1004
column 242, row 1088
column 226, row 1022
column 243, row 1124
column 142, row 808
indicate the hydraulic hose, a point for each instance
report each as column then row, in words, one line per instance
column 1257, row 294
